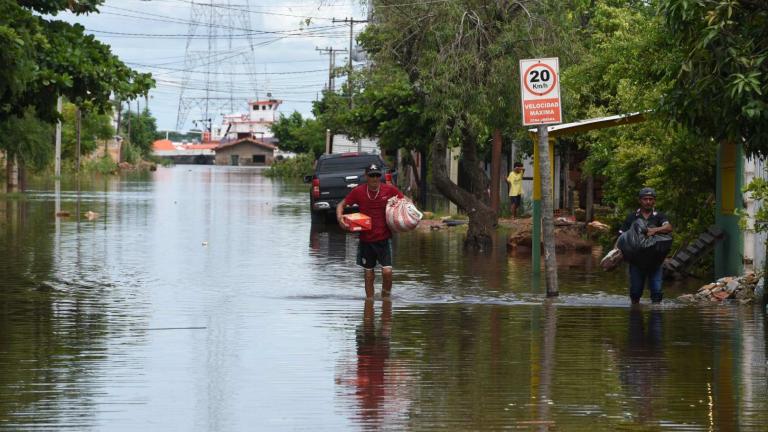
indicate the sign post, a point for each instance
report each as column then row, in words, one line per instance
column 541, row 105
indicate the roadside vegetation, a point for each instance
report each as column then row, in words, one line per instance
column 44, row 58
column 446, row 75
column 292, row 168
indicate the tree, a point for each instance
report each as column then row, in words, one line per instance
column 44, row 58
column 143, row 128
column 48, row 58
column 299, row 135
column 624, row 58
column 93, row 127
column 28, row 139
column 456, row 63
column 720, row 88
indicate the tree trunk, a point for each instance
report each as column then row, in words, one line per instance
column 482, row 218
column 590, row 206
column 22, row 173
column 11, row 173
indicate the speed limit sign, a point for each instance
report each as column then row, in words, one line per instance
column 540, row 88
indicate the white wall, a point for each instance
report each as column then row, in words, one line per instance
column 754, row 243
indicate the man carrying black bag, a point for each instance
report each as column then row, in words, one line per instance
column 644, row 242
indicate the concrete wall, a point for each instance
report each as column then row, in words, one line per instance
column 245, row 153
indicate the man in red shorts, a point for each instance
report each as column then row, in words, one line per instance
column 375, row 246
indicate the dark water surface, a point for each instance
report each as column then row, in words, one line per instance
column 201, row 299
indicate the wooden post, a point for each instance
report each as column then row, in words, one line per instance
column 547, row 210
column 568, row 199
column 495, row 170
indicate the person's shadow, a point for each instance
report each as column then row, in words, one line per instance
column 641, row 362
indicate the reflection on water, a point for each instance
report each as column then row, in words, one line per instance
column 202, row 298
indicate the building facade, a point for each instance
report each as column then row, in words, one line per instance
column 245, row 152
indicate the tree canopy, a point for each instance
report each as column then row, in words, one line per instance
column 726, row 46
column 297, row 134
column 45, row 58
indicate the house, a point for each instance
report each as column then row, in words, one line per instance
column 245, row 152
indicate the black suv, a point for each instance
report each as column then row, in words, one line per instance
column 336, row 175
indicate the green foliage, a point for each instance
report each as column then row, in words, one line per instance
column 390, row 108
column 300, row 135
column 720, row 87
column 131, row 153
column 44, row 58
column 103, row 165
column 28, row 138
column 94, row 128
column 292, row 168
column 143, row 130
column 622, row 70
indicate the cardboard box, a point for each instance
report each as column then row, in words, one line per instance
column 357, row 221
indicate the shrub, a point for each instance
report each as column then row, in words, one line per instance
column 297, row 167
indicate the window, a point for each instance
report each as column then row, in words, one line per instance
column 259, row 159
column 351, row 163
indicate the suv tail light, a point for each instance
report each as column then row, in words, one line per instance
column 315, row 188
column 388, row 178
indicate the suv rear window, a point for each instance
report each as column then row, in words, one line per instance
column 350, row 163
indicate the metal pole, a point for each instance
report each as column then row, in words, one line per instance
column 327, row 141
column 57, row 165
column 547, row 209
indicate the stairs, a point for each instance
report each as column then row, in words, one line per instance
column 675, row 267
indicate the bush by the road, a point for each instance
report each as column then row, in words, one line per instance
column 297, row 167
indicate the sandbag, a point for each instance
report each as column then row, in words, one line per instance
column 647, row 252
column 402, row 215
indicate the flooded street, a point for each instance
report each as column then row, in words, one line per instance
column 202, row 299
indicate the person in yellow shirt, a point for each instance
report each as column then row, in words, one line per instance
column 515, row 180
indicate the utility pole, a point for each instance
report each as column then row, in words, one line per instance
column 331, row 65
column 351, row 22
column 129, row 126
column 57, row 166
column 78, row 124
column 350, row 86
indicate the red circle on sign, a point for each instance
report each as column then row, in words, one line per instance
column 554, row 79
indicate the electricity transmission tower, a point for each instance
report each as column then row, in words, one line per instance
column 219, row 74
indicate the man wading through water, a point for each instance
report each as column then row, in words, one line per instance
column 657, row 224
column 375, row 246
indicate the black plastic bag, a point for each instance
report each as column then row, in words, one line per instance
column 646, row 252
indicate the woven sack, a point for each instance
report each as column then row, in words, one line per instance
column 402, row 215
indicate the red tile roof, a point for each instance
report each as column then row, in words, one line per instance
column 207, row 146
column 163, row 144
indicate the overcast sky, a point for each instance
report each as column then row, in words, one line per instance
column 258, row 46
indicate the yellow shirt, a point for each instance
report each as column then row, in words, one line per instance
column 515, row 183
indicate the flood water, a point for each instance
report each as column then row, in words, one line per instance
column 202, row 299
